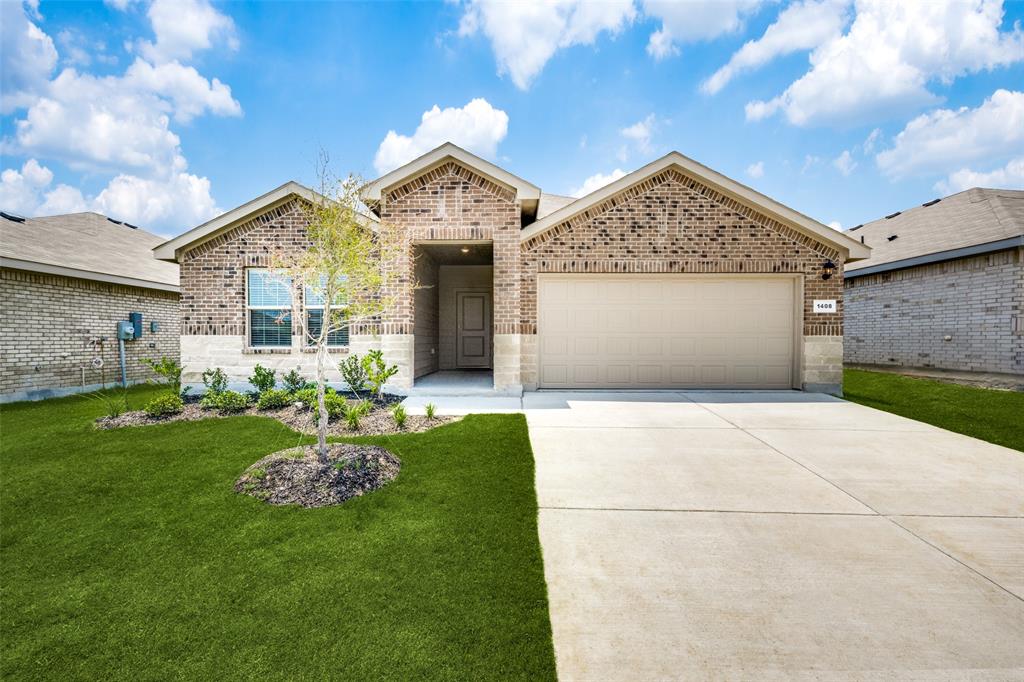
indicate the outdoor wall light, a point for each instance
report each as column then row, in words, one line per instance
column 828, row 269
column 464, row 249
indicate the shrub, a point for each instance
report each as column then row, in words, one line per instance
column 163, row 405
column 225, row 401
column 363, row 407
column 337, row 407
column 377, row 371
column 167, row 369
column 293, row 381
column 431, row 410
column 354, row 373
column 114, row 403
column 352, row 418
column 215, row 380
column 398, row 412
column 307, row 396
column 263, row 379
column 274, row 399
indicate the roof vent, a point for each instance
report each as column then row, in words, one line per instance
column 862, row 239
column 857, row 227
column 13, row 217
column 116, row 222
column 134, row 227
column 892, row 237
column 932, row 202
column 893, row 215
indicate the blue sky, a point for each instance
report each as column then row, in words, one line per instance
column 165, row 113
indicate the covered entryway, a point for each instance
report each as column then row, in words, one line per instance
column 667, row 331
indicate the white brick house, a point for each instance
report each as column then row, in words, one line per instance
column 943, row 288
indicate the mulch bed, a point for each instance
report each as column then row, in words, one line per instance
column 378, row 422
column 297, row 476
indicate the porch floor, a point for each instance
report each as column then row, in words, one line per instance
column 456, row 382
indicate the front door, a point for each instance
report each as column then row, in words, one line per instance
column 473, row 336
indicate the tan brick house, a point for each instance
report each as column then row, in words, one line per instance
column 65, row 283
column 673, row 276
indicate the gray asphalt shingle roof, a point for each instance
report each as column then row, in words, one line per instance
column 969, row 218
column 87, row 242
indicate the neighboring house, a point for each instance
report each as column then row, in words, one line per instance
column 65, row 283
column 673, row 276
column 944, row 286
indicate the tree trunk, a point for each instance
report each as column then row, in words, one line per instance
column 321, row 380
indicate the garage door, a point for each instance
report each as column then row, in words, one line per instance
column 684, row 331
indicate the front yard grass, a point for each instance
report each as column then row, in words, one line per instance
column 126, row 554
column 995, row 416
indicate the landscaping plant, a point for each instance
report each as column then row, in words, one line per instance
column 114, row 403
column 263, row 379
column 352, row 418
column 274, row 399
column 399, row 414
column 293, row 381
column 377, row 371
column 351, row 267
column 167, row 369
column 163, row 405
column 354, row 374
column 215, row 380
column 431, row 410
column 225, row 401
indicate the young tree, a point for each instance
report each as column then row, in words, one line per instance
column 350, row 268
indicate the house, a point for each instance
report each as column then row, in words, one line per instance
column 943, row 287
column 673, row 276
column 66, row 281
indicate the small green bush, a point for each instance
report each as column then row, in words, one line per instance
column 225, row 401
column 337, row 407
column 398, row 412
column 215, row 380
column 263, row 379
column 167, row 369
column 274, row 399
column 377, row 371
column 293, row 381
column 352, row 418
column 431, row 410
column 114, row 403
column 163, row 405
column 353, row 372
column 307, row 396
column 363, row 407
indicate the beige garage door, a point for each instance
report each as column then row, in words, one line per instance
column 683, row 331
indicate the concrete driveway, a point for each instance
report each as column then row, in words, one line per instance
column 781, row 535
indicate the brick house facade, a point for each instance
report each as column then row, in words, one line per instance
column 62, row 295
column 944, row 287
column 465, row 218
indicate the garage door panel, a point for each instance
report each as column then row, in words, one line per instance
column 658, row 331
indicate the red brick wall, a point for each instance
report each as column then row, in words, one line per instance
column 452, row 202
column 673, row 224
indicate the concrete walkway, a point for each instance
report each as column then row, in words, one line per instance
column 770, row 536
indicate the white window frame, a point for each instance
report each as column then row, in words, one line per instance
column 248, row 316
column 306, row 307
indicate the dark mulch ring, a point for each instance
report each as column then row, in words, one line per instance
column 297, row 476
column 378, row 422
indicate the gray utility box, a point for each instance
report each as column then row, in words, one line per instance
column 125, row 330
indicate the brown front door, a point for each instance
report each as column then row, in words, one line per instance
column 473, row 336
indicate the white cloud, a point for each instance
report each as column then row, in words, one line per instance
column 883, row 64
column 756, row 170
column 172, row 203
column 524, row 35
column 946, row 139
column 801, row 26
column 28, row 57
column 844, row 163
column 809, row 162
column 1010, row 176
column 477, row 127
column 183, row 27
column 596, row 182
column 639, row 134
column 871, row 140
column 836, row 225
column 684, row 22
column 190, row 93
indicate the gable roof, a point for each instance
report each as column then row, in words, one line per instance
column 973, row 221
column 527, row 193
column 88, row 246
column 727, row 186
column 172, row 249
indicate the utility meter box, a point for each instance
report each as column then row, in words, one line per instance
column 125, row 330
column 136, row 320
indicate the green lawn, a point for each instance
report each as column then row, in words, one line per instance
column 995, row 416
column 126, row 554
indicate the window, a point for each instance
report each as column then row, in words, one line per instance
column 315, row 319
column 269, row 302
